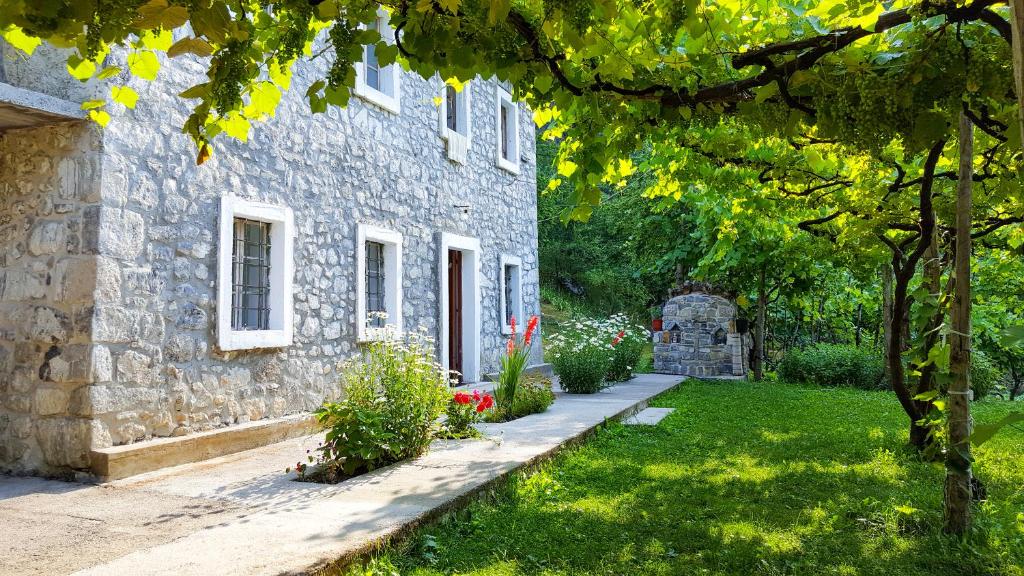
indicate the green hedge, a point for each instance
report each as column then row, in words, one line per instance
column 834, row 365
column 864, row 368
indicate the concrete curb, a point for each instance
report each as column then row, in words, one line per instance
column 337, row 566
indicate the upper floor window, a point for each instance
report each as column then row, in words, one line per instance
column 375, row 83
column 455, row 121
column 255, row 269
column 379, row 277
column 507, row 120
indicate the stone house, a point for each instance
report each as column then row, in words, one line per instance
column 146, row 301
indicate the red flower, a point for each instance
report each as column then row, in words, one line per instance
column 618, row 337
column 476, row 395
column 462, row 398
column 510, row 347
column 513, row 323
column 530, row 327
column 485, row 403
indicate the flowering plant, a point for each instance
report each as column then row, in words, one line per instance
column 394, row 393
column 517, row 352
column 464, row 410
column 589, row 351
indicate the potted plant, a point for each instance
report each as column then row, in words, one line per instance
column 656, row 318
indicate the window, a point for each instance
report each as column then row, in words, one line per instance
column 455, row 121
column 250, row 275
column 507, row 122
column 375, row 83
column 379, row 275
column 376, row 307
column 254, row 292
column 511, row 292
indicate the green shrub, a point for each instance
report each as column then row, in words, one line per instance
column 834, row 365
column 582, row 370
column 626, row 353
column 394, row 394
column 533, row 397
column 986, row 377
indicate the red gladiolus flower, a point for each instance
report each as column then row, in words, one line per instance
column 513, row 324
column 510, row 348
column 618, row 337
column 462, row 398
column 530, row 327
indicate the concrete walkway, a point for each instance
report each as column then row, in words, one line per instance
column 241, row 515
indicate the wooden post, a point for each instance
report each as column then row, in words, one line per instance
column 1017, row 25
column 958, row 454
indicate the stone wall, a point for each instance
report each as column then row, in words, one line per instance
column 699, row 338
column 49, row 192
column 335, row 170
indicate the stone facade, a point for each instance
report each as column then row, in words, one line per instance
column 699, row 338
column 109, row 253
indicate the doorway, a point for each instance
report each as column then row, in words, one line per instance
column 459, row 334
column 455, row 305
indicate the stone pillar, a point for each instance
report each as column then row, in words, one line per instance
column 48, row 184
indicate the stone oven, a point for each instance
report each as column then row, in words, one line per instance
column 699, row 336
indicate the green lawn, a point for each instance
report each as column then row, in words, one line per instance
column 741, row 479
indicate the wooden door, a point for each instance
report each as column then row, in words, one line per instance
column 455, row 312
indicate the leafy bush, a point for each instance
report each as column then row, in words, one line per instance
column 627, row 347
column 834, row 365
column 394, row 394
column 465, row 409
column 986, row 377
column 583, row 369
column 533, row 397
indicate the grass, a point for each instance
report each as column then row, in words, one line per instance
column 741, row 479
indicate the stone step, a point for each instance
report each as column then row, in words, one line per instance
column 648, row 417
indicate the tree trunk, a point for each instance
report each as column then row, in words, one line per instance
column 1017, row 24
column 932, row 282
column 759, row 326
column 958, row 454
column 860, row 310
column 903, row 271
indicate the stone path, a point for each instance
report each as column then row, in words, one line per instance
column 241, row 515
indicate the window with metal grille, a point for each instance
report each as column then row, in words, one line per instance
column 510, row 307
column 250, row 275
column 375, row 299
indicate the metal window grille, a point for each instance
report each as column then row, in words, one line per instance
column 375, row 301
column 452, row 117
column 250, row 275
column 372, row 64
column 504, row 132
column 510, row 308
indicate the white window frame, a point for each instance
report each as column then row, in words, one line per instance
column 504, row 100
column 517, row 291
column 391, row 98
column 471, row 260
column 393, row 270
column 464, row 109
column 282, row 271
